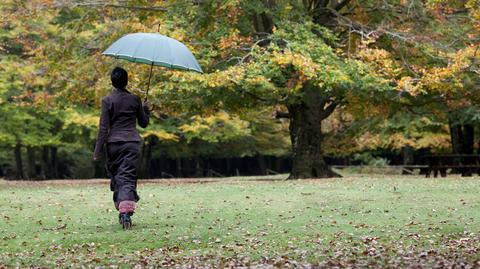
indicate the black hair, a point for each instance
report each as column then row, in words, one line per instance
column 119, row 77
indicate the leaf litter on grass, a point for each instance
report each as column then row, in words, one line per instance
column 353, row 223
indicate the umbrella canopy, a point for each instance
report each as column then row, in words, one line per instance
column 155, row 50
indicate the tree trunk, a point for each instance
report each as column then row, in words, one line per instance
column 262, row 165
column 462, row 136
column 407, row 152
column 306, row 135
column 46, row 173
column 54, row 162
column 467, row 147
column 147, row 157
column 18, row 161
column 456, row 136
column 263, row 22
column 99, row 169
column 408, row 158
column 229, row 166
column 31, row 171
column 178, row 166
column 468, row 138
column 198, row 167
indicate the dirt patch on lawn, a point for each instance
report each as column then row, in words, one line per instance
column 75, row 182
column 166, row 181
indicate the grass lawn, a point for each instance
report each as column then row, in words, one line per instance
column 362, row 221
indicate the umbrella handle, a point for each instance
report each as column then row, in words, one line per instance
column 149, row 78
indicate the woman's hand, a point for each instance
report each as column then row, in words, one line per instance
column 146, row 103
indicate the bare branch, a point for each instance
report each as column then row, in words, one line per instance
column 282, row 115
column 255, row 96
column 327, row 111
column 406, row 63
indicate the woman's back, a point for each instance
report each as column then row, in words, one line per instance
column 118, row 119
column 124, row 109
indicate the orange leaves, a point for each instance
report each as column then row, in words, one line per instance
column 458, row 104
column 447, row 79
column 396, row 141
column 381, row 59
column 296, row 81
column 409, row 85
column 231, row 9
column 305, row 67
column 368, row 141
column 232, row 42
column 474, row 6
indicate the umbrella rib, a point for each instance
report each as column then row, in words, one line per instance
column 170, row 53
column 155, row 54
column 135, row 52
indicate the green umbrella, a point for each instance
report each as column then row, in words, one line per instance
column 155, row 50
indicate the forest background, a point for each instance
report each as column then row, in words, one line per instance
column 286, row 83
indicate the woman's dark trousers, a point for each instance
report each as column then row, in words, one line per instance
column 123, row 162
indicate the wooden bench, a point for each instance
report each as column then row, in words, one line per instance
column 466, row 164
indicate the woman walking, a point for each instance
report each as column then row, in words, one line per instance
column 117, row 130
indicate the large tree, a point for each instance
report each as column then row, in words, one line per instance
column 268, row 54
column 379, row 64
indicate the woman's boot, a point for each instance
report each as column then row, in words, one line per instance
column 125, row 221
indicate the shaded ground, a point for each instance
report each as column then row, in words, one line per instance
column 357, row 221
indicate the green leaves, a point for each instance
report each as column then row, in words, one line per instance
column 220, row 127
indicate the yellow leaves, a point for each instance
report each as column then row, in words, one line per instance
column 218, row 127
column 397, row 141
column 305, row 66
column 233, row 74
column 212, row 83
column 381, row 60
column 136, row 26
column 444, row 79
column 161, row 135
column 73, row 117
column 282, row 59
column 179, row 35
column 361, row 108
column 474, row 6
column 52, row 29
column 433, row 140
column 368, row 141
column 409, row 85
column 85, row 34
column 43, row 100
column 196, row 126
column 426, row 140
column 257, row 80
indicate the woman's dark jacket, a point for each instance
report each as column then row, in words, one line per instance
column 118, row 120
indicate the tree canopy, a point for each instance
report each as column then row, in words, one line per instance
column 282, row 77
